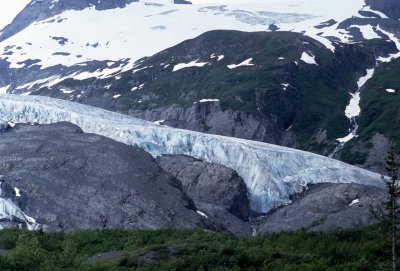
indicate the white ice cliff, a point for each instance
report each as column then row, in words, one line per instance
column 272, row 173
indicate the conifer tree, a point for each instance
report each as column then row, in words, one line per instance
column 390, row 215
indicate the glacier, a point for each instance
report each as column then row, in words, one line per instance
column 272, row 173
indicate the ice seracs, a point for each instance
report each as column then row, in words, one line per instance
column 10, row 212
column 262, row 166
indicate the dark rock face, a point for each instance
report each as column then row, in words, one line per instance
column 3, row 126
column 209, row 117
column 217, row 191
column 70, row 180
column 326, row 206
column 390, row 7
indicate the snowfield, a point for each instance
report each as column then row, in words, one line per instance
column 272, row 173
column 74, row 37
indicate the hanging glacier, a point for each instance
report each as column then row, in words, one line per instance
column 272, row 173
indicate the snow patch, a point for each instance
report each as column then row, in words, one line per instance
column 202, row 214
column 390, row 90
column 368, row 32
column 308, row 58
column 381, row 14
column 194, row 63
column 247, row 62
column 11, row 124
column 17, row 192
column 3, row 90
column 354, row 202
column 353, row 109
column 346, row 138
column 159, row 122
column 285, row 86
column 219, row 58
column 208, row 100
column 66, row 91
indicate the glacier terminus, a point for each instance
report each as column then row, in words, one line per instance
column 272, row 173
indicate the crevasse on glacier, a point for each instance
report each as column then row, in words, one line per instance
column 272, row 173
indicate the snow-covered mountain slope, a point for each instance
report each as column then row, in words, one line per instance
column 142, row 29
column 272, row 173
column 10, row 9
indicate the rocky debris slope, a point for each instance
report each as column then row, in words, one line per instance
column 65, row 179
column 327, row 206
column 218, row 192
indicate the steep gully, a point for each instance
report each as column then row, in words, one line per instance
column 353, row 110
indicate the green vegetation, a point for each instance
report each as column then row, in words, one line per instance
column 380, row 109
column 311, row 101
column 168, row 249
column 314, row 100
column 380, row 112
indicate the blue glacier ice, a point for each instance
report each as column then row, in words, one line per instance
column 272, row 173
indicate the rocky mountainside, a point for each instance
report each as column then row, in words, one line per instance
column 389, row 7
column 379, row 123
column 325, row 207
column 58, row 178
column 64, row 179
column 277, row 97
column 219, row 192
column 290, row 89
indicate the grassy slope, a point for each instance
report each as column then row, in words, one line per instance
column 359, row 249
